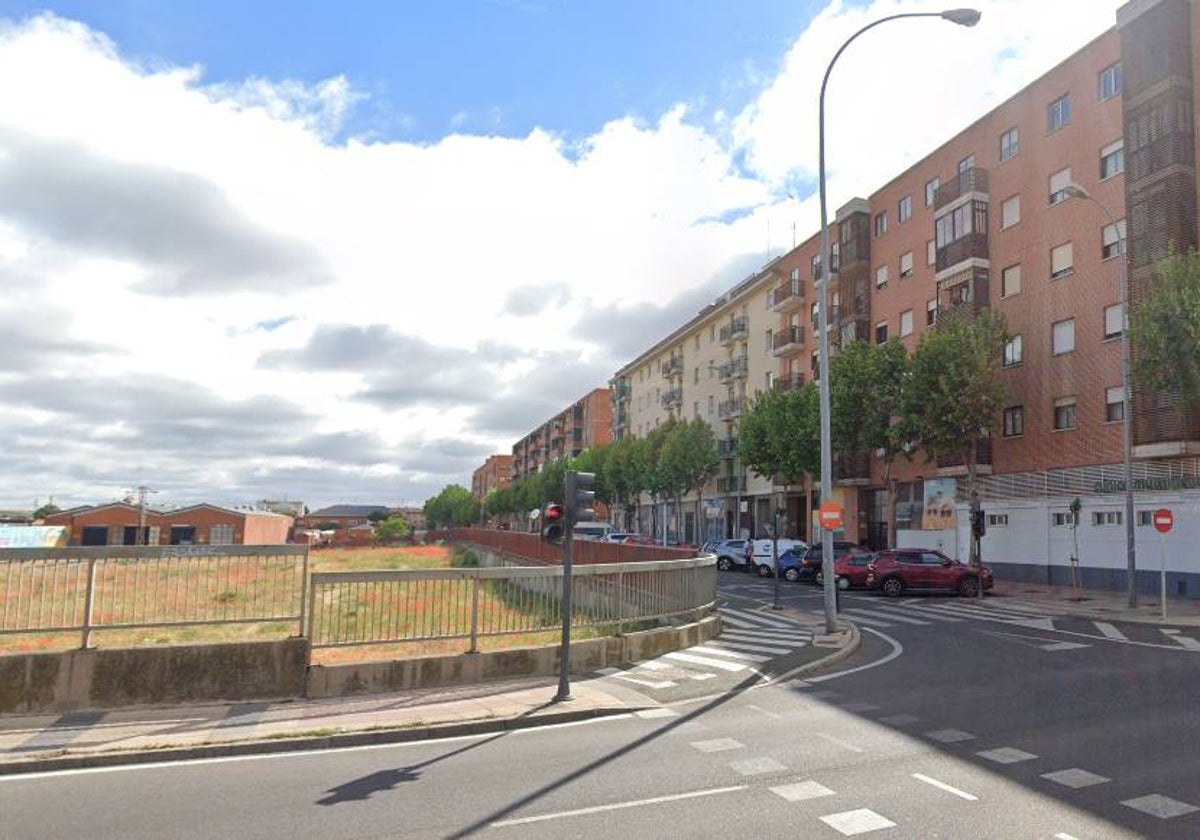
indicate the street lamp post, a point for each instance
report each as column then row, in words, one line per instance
column 962, row 17
column 1076, row 191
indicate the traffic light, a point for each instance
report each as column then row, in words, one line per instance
column 554, row 521
column 580, row 497
column 978, row 524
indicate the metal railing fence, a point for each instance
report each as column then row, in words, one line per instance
column 55, row 590
column 365, row 608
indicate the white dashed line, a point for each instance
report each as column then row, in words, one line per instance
column 1157, row 805
column 1110, row 632
column 1063, row 646
column 597, row 809
column 962, row 794
column 1075, row 778
column 756, row 766
column 1006, row 755
column 1184, row 641
column 718, row 745
column 949, row 736
column 861, row 821
column 801, row 791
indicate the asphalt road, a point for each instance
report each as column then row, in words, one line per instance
column 952, row 720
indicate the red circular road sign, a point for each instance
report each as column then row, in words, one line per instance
column 830, row 516
column 1164, row 520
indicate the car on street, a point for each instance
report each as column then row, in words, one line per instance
column 809, row 565
column 617, row 537
column 850, row 568
column 730, row 553
column 897, row 570
column 760, row 557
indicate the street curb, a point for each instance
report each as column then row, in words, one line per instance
column 824, row 662
column 298, row 744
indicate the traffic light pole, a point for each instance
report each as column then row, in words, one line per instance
column 564, row 657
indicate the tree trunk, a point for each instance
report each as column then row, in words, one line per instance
column 889, row 502
column 698, row 535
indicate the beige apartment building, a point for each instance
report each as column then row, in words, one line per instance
column 986, row 222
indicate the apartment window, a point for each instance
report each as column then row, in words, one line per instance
column 1114, row 404
column 816, row 365
column 906, row 323
column 835, row 262
column 906, row 265
column 1058, row 114
column 1010, row 212
column 220, row 535
column 931, row 252
column 1112, row 79
column 695, row 376
column 814, row 314
column 881, row 277
column 1112, row 239
column 769, row 337
column 1063, row 336
column 1064, row 413
column 931, row 313
column 1062, row 519
column 1062, row 261
column 696, row 409
column 931, row 189
column 1059, row 182
column 966, row 163
column 1145, row 518
column 997, row 520
column 1008, row 144
column 881, row 332
column 1107, row 517
column 711, row 401
column 1013, row 351
column 1114, row 320
column 905, row 209
column 769, row 379
column 1014, row 421
column 712, row 333
column 881, row 223
column 1112, row 159
column 697, row 341
column 795, row 275
column 815, row 265
column 1010, row 281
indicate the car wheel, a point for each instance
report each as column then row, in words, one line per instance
column 843, row 583
column 819, row 578
column 792, row 574
column 764, row 570
column 968, row 587
column 723, row 564
column 892, row 587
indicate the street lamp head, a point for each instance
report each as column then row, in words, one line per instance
column 1076, row 191
column 963, row 17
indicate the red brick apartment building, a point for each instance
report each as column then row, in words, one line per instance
column 985, row 223
column 584, row 423
column 495, row 473
column 117, row 524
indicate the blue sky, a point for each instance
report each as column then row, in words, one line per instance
column 507, row 65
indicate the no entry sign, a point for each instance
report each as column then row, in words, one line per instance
column 1164, row 520
column 830, row 516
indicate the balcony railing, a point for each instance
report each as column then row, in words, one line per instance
column 788, row 340
column 728, row 409
column 955, row 463
column 736, row 368
column 727, row 448
column 790, row 382
column 971, row 246
column 971, row 180
column 853, row 467
column 673, row 368
column 672, row 398
column 622, row 390
column 787, row 297
column 731, row 484
column 736, row 330
column 964, row 295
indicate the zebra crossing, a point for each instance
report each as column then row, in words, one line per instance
column 749, row 638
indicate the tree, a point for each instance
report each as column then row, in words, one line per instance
column 953, row 396
column 45, row 510
column 393, row 529
column 377, row 516
column 689, row 461
column 1164, row 329
column 867, row 384
column 779, row 435
column 453, row 507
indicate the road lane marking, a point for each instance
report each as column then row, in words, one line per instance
column 754, row 647
column 934, row 615
column 1184, row 641
column 801, row 791
column 857, row 822
column 878, row 622
column 762, row 618
column 650, row 714
column 717, row 745
column 886, row 616
column 617, row 673
column 949, row 736
column 756, row 766
column 617, row 806
column 1110, row 632
column 1063, row 646
column 1075, row 778
column 768, row 638
column 1006, row 755
column 1157, row 805
column 737, row 622
column 707, row 661
column 709, row 650
column 839, row 742
column 920, row 777
column 897, row 649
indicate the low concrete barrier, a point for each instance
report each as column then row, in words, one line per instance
column 101, row 678
column 439, row 671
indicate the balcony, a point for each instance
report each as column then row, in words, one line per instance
column 963, row 295
column 788, row 341
column 973, row 180
column 736, row 330
column 971, row 246
column 731, row 484
column 853, row 329
column 789, row 382
column 727, row 448
column 673, row 368
column 852, row 468
column 730, row 409
column 672, row 399
column 788, row 297
column 622, row 390
column 736, row 368
column 953, row 464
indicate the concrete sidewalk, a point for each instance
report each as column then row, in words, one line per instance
column 1102, row 604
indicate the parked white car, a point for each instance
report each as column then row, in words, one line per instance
column 759, row 553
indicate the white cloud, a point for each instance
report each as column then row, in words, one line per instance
column 427, row 240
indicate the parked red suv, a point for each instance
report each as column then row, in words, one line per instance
column 897, row 570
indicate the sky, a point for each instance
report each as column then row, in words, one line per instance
column 344, row 252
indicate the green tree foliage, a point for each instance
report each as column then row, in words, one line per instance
column 779, row 434
column 377, row 516
column 45, row 510
column 953, row 396
column 393, row 529
column 1164, row 329
column 453, row 507
column 689, row 460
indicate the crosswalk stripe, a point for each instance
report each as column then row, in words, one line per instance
column 1110, row 632
column 767, row 638
column 1185, row 641
column 734, row 644
column 886, row 616
column 709, row 650
column 973, row 607
column 936, row 616
column 707, row 661
column 737, row 622
column 977, row 612
column 873, row 621
column 763, row 618
column 616, row 673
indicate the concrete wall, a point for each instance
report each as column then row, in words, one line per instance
column 435, row 671
column 98, row 679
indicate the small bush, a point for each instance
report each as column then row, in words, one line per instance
column 464, row 558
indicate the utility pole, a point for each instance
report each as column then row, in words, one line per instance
column 143, row 491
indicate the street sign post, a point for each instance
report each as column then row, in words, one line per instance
column 1164, row 521
column 830, row 516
